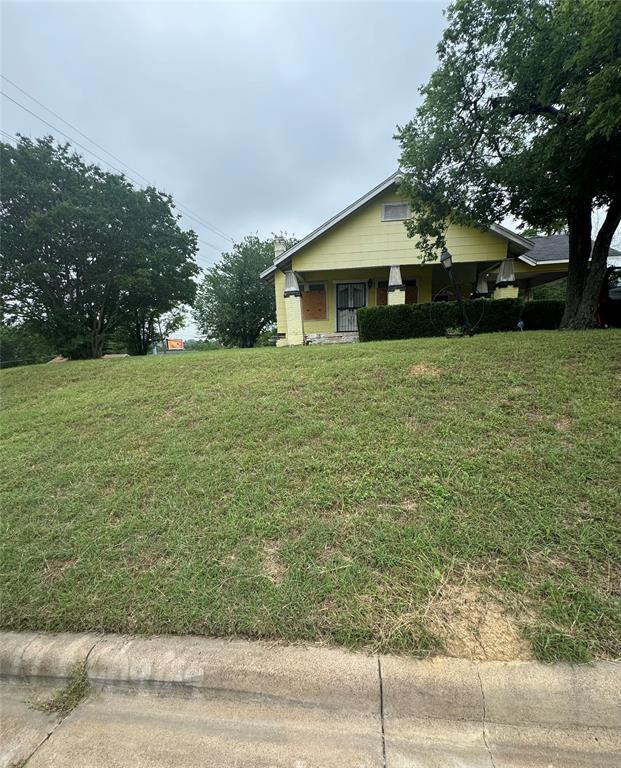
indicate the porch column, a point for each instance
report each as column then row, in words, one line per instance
column 396, row 286
column 506, row 287
column 506, row 292
column 293, row 310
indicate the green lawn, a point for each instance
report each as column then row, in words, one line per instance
column 372, row 495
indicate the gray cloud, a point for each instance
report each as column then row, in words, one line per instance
column 260, row 116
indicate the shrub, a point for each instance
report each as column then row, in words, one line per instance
column 543, row 315
column 22, row 345
column 407, row 321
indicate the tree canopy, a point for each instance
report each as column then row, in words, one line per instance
column 86, row 256
column 232, row 304
column 522, row 117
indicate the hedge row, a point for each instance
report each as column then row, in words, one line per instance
column 543, row 315
column 407, row 321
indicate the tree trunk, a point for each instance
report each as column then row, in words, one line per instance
column 583, row 314
column 97, row 345
column 579, row 252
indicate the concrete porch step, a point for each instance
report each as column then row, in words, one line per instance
column 349, row 337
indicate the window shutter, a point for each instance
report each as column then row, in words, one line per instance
column 411, row 292
column 381, row 296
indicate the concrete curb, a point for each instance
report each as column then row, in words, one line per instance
column 510, row 693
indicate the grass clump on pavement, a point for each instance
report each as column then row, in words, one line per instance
column 65, row 700
column 354, row 494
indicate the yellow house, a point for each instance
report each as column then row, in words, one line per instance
column 363, row 257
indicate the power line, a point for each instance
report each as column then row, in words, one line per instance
column 197, row 257
column 73, row 127
column 190, row 216
column 214, row 229
column 181, row 206
column 206, row 242
column 9, row 137
column 69, row 138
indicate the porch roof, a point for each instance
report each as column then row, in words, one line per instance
column 553, row 249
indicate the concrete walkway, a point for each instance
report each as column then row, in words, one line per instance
column 190, row 701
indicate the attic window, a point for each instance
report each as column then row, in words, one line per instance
column 395, row 211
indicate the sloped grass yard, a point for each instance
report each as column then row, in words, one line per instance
column 372, row 495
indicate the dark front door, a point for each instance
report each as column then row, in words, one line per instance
column 349, row 298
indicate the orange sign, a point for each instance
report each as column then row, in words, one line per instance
column 175, row 344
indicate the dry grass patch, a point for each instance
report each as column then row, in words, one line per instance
column 56, row 569
column 474, row 625
column 272, row 567
column 423, row 369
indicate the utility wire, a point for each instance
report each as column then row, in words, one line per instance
column 62, row 133
column 197, row 257
column 183, row 208
column 105, row 162
column 73, row 127
column 9, row 137
column 181, row 205
column 206, row 242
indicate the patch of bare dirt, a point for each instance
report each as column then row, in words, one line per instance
column 533, row 417
column 422, row 369
column 563, row 424
column 273, row 568
column 473, row 625
column 56, row 569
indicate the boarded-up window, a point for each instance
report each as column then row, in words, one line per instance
column 314, row 301
column 411, row 292
column 381, row 296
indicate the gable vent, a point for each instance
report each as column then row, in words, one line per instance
column 395, row 211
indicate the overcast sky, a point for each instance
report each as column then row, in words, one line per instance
column 259, row 117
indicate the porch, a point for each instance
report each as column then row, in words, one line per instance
column 319, row 307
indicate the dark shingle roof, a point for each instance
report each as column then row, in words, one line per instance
column 555, row 248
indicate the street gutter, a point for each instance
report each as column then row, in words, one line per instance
column 401, row 711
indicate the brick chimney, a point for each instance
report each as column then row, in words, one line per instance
column 279, row 248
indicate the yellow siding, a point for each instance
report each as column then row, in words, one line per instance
column 333, row 277
column 364, row 240
column 279, row 287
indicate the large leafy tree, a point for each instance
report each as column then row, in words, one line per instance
column 86, row 255
column 232, row 304
column 162, row 279
column 523, row 117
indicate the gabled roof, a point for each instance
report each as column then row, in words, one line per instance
column 553, row 249
column 382, row 187
column 392, row 180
